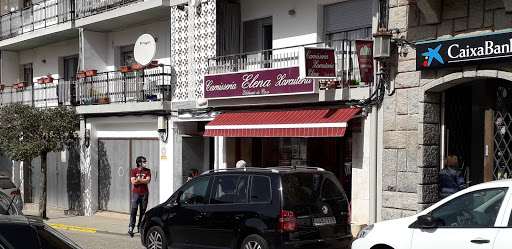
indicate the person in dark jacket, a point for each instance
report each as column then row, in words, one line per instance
column 451, row 177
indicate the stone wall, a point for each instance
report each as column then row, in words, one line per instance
column 411, row 125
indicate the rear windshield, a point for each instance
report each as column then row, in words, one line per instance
column 310, row 188
column 6, row 183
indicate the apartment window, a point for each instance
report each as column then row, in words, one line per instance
column 258, row 34
column 228, row 27
column 70, row 67
column 348, row 20
column 127, row 57
column 27, row 73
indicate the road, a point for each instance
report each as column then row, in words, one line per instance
column 88, row 240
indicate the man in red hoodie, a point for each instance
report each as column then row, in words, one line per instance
column 140, row 178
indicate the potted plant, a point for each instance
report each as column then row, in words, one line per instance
column 2, row 87
column 104, row 100
column 125, row 69
column 48, row 79
column 333, row 84
column 153, row 64
column 137, row 66
column 40, row 81
column 23, row 84
column 15, row 86
column 323, row 84
column 91, row 72
column 80, row 74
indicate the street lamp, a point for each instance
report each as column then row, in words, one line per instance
column 382, row 44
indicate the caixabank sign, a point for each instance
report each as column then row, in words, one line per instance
column 460, row 51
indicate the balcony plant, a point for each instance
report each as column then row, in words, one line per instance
column 40, row 80
column 137, row 66
column 23, row 84
column 125, row 69
column 15, row 86
column 80, row 74
column 91, row 72
column 2, row 87
column 48, row 79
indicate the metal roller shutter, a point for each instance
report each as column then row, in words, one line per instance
column 348, row 15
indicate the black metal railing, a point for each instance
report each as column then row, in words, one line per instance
column 59, row 92
column 152, row 84
column 347, row 65
column 35, row 17
column 87, row 8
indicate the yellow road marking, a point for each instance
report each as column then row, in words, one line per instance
column 82, row 229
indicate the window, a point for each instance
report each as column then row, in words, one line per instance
column 195, row 192
column 127, row 57
column 258, row 34
column 224, row 189
column 475, row 209
column 260, row 189
column 70, row 67
column 27, row 73
column 241, row 189
column 348, row 20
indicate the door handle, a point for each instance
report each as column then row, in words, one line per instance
column 480, row 241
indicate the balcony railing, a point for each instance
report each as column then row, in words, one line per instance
column 346, row 60
column 119, row 87
column 38, row 16
column 87, row 8
column 110, row 87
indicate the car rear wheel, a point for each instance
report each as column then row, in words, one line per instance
column 156, row 238
column 254, row 242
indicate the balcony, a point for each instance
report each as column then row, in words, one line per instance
column 110, row 15
column 52, row 17
column 347, row 80
column 150, row 85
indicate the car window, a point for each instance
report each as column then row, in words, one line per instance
column 224, row 189
column 510, row 221
column 52, row 239
column 194, row 193
column 5, row 203
column 301, row 189
column 476, row 209
column 260, row 189
column 331, row 190
column 241, row 189
column 6, row 183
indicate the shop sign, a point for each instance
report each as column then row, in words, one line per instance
column 470, row 50
column 257, row 83
column 365, row 58
column 317, row 63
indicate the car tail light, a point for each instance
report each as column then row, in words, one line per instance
column 16, row 192
column 287, row 221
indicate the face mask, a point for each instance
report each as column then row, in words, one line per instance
column 143, row 165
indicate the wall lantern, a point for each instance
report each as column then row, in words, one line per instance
column 87, row 137
column 382, row 44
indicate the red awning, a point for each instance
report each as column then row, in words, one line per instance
column 304, row 123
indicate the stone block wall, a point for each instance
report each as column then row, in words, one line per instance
column 411, row 125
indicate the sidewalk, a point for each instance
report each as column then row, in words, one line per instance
column 100, row 222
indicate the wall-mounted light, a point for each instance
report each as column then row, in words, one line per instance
column 43, row 61
column 87, row 137
column 162, row 128
column 291, row 12
column 382, row 44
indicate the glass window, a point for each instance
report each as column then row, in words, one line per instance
column 6, row 183
column 194, row 192
column 241, row 189
column 475, row 209
column 260, row 189
column 224, row 189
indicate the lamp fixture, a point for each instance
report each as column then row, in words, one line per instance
column 291, row 12
column 382, row 44
column 87, row 137
column 162, row 128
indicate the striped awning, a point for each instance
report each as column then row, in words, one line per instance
column 303, row 123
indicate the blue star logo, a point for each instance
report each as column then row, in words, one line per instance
column 431, row 54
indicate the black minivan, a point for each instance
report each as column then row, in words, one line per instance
column 260, row 208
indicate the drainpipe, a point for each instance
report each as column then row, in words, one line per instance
column 373, row 162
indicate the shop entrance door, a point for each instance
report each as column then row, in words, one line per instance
column 502, row 139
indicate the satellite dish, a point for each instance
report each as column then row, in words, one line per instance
column 195, row 3
column 145, row 49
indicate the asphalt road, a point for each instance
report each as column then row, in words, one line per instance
column 88, row 240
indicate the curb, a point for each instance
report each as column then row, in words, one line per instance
column 89, row 230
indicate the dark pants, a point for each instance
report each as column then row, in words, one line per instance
column 138, row 200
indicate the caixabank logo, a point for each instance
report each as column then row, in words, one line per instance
column 471, row 50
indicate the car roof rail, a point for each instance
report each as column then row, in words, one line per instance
column 299, row 167
column 241, row 169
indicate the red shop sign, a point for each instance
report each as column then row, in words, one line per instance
column 317, row 63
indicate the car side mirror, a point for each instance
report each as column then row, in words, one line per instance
column 176, row 202
column 426, row 221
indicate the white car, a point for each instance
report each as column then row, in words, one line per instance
column 476, row 217
column 10, row 189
